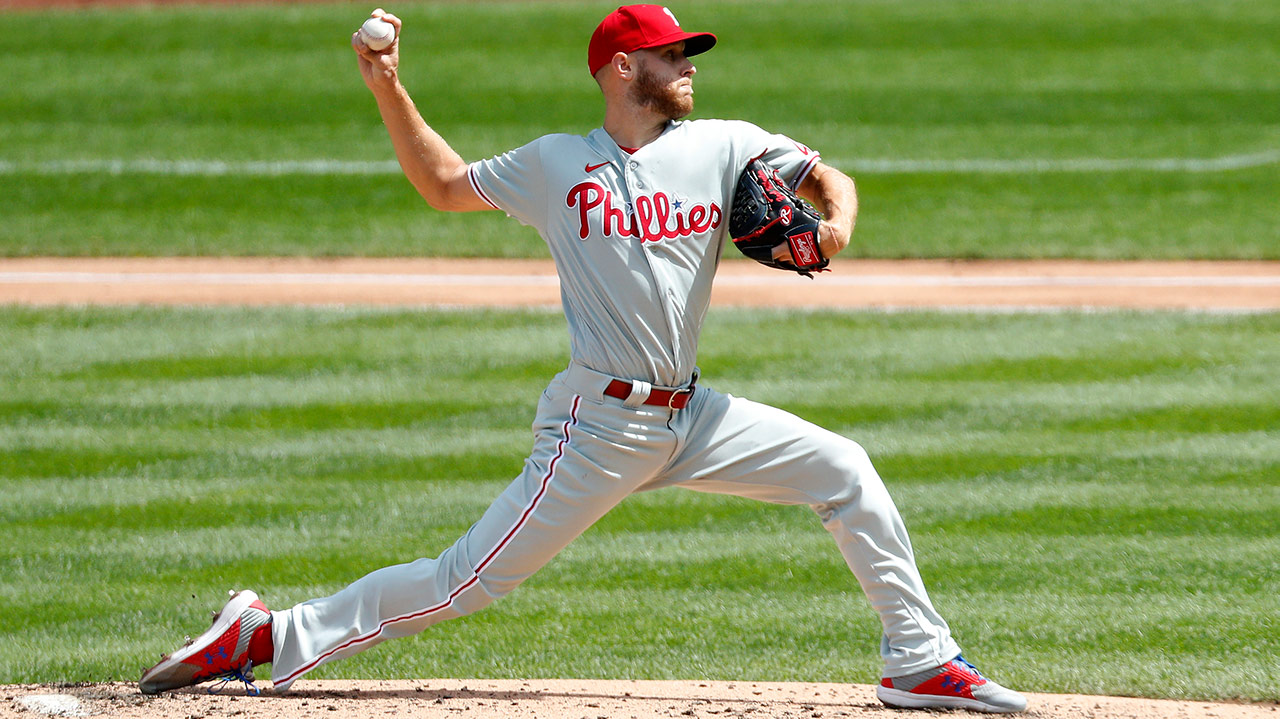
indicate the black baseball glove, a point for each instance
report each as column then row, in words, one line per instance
column 766, row 214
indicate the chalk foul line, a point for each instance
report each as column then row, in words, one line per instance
column 277, row 168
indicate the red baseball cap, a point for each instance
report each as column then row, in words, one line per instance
column 637, row 27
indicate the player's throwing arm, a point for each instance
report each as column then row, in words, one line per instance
column 435, row 169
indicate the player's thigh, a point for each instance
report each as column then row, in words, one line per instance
column 738, row 446
column 577, row 471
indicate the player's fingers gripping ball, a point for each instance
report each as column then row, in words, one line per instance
column 377, row 34
column 766, row 214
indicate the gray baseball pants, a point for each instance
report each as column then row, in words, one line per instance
column 592, row 451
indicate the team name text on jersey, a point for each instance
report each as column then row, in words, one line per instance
column 655, row 217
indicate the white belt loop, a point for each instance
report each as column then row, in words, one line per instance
column 639, row 393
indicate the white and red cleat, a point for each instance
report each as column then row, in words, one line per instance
column 954, row 685
column 221, row 652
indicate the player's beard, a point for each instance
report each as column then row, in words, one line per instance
column 664, row 99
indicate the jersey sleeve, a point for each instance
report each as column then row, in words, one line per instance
column 514, row 182
column 792, row 160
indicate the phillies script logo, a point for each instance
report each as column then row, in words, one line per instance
column 655, row 217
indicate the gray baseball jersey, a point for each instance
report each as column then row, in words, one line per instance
column 636, row 237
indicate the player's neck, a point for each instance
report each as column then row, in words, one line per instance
column 633, row 127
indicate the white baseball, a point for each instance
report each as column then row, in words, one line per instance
column 377, row 34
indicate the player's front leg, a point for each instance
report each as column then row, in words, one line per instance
column 736, row 446
column 745, row 448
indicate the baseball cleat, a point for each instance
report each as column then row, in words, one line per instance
column 222, row 652
column 954, row 685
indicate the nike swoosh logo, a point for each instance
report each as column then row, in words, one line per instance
column 593, row 168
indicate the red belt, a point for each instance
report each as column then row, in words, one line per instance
column 675, row 399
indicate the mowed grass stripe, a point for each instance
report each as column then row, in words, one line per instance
column 1116, row 508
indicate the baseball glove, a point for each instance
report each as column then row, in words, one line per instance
column 766, row 214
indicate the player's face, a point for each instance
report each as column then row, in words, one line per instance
column 664, row 80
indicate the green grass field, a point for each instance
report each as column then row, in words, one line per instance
column 1093, row 497
column 1003, row 128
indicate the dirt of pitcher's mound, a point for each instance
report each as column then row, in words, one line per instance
column 556, row 699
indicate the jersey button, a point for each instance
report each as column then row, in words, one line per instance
column 633, row 164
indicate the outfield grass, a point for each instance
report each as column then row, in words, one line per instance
column 1080, row 105
column 1093, row 498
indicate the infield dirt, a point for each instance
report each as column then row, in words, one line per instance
column 853, row 284
column 563, row 699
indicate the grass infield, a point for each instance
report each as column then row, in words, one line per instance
column 1081, row 128
column 1092, row 497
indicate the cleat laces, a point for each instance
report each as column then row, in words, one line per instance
column 243, row 674
column 970, row 667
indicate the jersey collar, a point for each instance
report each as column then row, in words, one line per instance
column 602, row 142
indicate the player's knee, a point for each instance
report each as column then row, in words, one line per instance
column 854, row 478
column 854, row 466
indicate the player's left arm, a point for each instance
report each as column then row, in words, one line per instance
column 836, row 197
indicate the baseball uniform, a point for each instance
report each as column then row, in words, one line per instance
column 636, row 237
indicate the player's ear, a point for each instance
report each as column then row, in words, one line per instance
column 622, row 65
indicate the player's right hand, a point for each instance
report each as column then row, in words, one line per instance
column 379, row 67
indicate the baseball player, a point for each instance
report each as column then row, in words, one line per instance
column 635, row 215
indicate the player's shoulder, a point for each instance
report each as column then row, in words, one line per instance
column 733, row 135
column 562, row 139
column 556, row 141
column 720, row 127
column 544, row 151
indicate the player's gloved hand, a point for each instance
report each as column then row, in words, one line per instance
column 773, row 226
